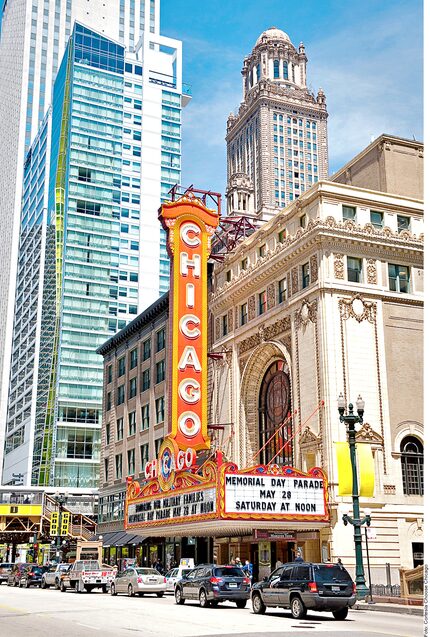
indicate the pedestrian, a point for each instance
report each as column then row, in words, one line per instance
column 238, row 562
column 248, row 568
column 159, row 566
column 339, row 561
column 299, row 557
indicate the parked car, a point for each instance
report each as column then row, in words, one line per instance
column 16, row 573
column 86, row 575
column 52, row 576
column 173, row 576
column 31, row 576
column 211, row 584
column 5, row 569
column 138, row 580
column 306, row 586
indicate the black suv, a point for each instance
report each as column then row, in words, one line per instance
column 306, row 586
column 211, row 584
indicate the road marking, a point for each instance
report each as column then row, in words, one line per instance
column 87, row 626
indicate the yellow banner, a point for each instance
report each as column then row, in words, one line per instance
column 366, row 469
column 27, row 510
column 53, row 529
column 344, row 469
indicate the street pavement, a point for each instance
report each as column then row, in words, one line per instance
column 46, row 613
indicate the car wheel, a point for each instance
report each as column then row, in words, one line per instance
column 27, row 584
column 104, row 588
column 241, row 603
column 342, row 613
column 57, row 585
column 298, row 610
column 130, row 591
column 88, row 589
column 203, row 599
column 20, row 584
column 258, row 606
column 160, row 594
column 43, row 584
column 141, row 594
column 178, row 597
column 113, row 591
column 15, row 582
column 62, row 587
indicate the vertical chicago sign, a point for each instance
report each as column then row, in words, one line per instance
column 190, row 226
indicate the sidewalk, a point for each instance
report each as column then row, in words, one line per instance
column 404, row 609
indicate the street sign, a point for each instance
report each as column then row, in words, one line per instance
column 65, row 523
column 53, row 529
column 371, row 533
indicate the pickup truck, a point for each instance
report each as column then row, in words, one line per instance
column 85, row 575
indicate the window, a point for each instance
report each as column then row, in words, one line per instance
column 244, row 263
column 305, row 275
column 158, row 442
column 108, row 401
column 398, row 277
column 106, row 469
column 146, row 380
column 302, row 573
column 131, row 423
column 377, row 219
column 120, row 429
column 130, row 462
column 348, row 212
column 144, row 456
column 109, row 374
column 285, row 69
column 118, row 466
column 228, row 276
column 303, row 221
column 146, row 350
column 160, row 371
column 244, row 314
column 121, row 366
column 274, row 411
column 282, row 290
column 84, row 174
column 133, row 358
column 145, row 416
column 355, row 268
column 120, row 395
column 224, row 325
column 262, row 250
column 403, row 223
column 282, row 235
column 159, row 409
column 412, row 458
column 161, row 340
column 262, row 302
column 132, row 387
column 276, row 69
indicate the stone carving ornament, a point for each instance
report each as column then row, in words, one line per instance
column 339, row 266
column 307, row 312
column 251, row 307
column 294, row 281
column 359, row 309
column 271, row 296
column 371, row 271
column 314, row 268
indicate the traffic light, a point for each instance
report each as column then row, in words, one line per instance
column 65, row 522
column 53, row 529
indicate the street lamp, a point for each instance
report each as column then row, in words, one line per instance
column 350, row 419
column 60, row 499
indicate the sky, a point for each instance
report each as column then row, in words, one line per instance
column 365, row 54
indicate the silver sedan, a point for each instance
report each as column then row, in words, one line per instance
column 138, row 581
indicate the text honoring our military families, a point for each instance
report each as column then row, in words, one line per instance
column 294, row 496
column 173, row 507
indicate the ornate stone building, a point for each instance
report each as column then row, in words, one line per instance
column 277, row 143
column 327, row 298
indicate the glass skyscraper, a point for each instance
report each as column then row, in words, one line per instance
column 107, row 153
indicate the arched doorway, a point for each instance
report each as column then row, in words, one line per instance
column 274, row 409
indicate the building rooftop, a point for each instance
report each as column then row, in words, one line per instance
column 273, row 34
column 160, row 305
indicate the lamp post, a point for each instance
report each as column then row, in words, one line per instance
column 60, row 499
column 351, row 419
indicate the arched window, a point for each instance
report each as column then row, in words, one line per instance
column 274, row 410
column 276, row 69
column 412, row 466
column 258, row 72
column 285, row 67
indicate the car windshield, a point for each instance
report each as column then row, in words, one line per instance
column 64, row 567
column 147, row 571
column 331, row 572
column 37, row 570
column 227, row 571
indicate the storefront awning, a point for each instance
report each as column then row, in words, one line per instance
column 127, row 539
